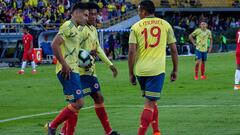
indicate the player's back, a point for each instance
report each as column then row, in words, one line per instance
column 151, row 36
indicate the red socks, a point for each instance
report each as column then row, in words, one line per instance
column 202, row 69
column 64, row 115
column 146, row 119
column 196, row 69
column 155, row 120
column 102, row 115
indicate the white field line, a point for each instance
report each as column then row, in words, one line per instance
column 120, row 106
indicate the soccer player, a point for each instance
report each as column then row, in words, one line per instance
column 147, row 54
column 202, row 35
column 28, row 49
column 237, row 73
column 66, row 45
column 89, row 81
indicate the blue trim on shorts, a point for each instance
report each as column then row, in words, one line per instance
column 151, row 86
column 71, row 87
column 201, row 55
column 89, row 84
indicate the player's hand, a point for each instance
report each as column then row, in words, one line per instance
column 173, row 76
column 133, row 79
column 114, row 70
column 65, row 72
column 210, row 50
column 93, row 53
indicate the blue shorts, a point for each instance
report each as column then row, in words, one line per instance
column 201, row 55
column 71, row 88
column 89, row 84
column 151, row 86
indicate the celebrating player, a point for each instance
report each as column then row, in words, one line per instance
column 202, row 36
column 28, row 49
column 237, row 73
column 89, row 81
column 65, row 47
column 147, row 54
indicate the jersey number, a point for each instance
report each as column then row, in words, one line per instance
column 154, row 32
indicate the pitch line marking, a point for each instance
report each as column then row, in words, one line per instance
column 119, row 106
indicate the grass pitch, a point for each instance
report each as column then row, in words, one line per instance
column 187, row 107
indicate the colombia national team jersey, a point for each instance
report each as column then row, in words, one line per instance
column 72, row 37
column 92, row 43
column 151, row 35
column 202, row 39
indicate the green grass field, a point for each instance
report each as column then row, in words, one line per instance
column 187, row 107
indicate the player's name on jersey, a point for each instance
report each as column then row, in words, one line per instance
column 150, row 22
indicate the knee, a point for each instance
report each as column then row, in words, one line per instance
column 78, row 104
column 98, row 98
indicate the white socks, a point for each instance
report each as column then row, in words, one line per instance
column 24, row 63
column 237, row 76
column 33, row 65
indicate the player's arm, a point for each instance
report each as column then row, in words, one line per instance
column 57, row 42
column 174, row 54
column 101, row 54
column 31, row 45
column 132, row 51
column 211, row 43
column 192, row 39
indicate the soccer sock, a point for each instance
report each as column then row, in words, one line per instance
column 155, row 120
column 71, row 124
column 64, row 115
column 202, row 69
column 24, row 63
column 196, row 69
column 64, row 128
column 146, row 119
column 102, row 115
column 33, row 65
column 237, row 76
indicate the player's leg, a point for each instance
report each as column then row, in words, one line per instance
column 203, row 63
column 152, row 87
column 74, row 95
column 198, row 61
column 237, row 72
column 24, row 63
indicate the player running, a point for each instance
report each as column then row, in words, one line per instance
column 89, row 81
column 237, row 73
column 28, row 51
column 147, row 54
column 202, row 36
column 66, row 47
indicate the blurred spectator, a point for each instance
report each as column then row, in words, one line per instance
column 224, row 46
column 236, row 3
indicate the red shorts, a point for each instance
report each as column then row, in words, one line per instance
column 238, row 58
column 27, row 57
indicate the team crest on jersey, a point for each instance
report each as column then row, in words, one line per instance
column 96, row 85
column 78, row 92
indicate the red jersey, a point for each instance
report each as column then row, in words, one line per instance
column 238, row 41
column 27, row 40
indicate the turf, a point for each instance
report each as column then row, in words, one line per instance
column 187, row 107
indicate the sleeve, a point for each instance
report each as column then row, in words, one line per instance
column 64, row 31
column 210, row 34
column 132, row 37
column 170, row 35
column 195, row 32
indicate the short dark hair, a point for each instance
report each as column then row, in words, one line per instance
column 148, row 6
column 93, row 5
column 79, row 5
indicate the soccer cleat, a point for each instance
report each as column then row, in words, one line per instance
column 236, row 87
column 157, row 133
column 196, row 78
column 50, row 130
column 34, row 71
column 203, row 77
column 114, row 133
column 20, row 72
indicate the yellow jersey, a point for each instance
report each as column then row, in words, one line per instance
column 151, row 35
column 202, row 38
column 72, row 36
column 92, row 43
